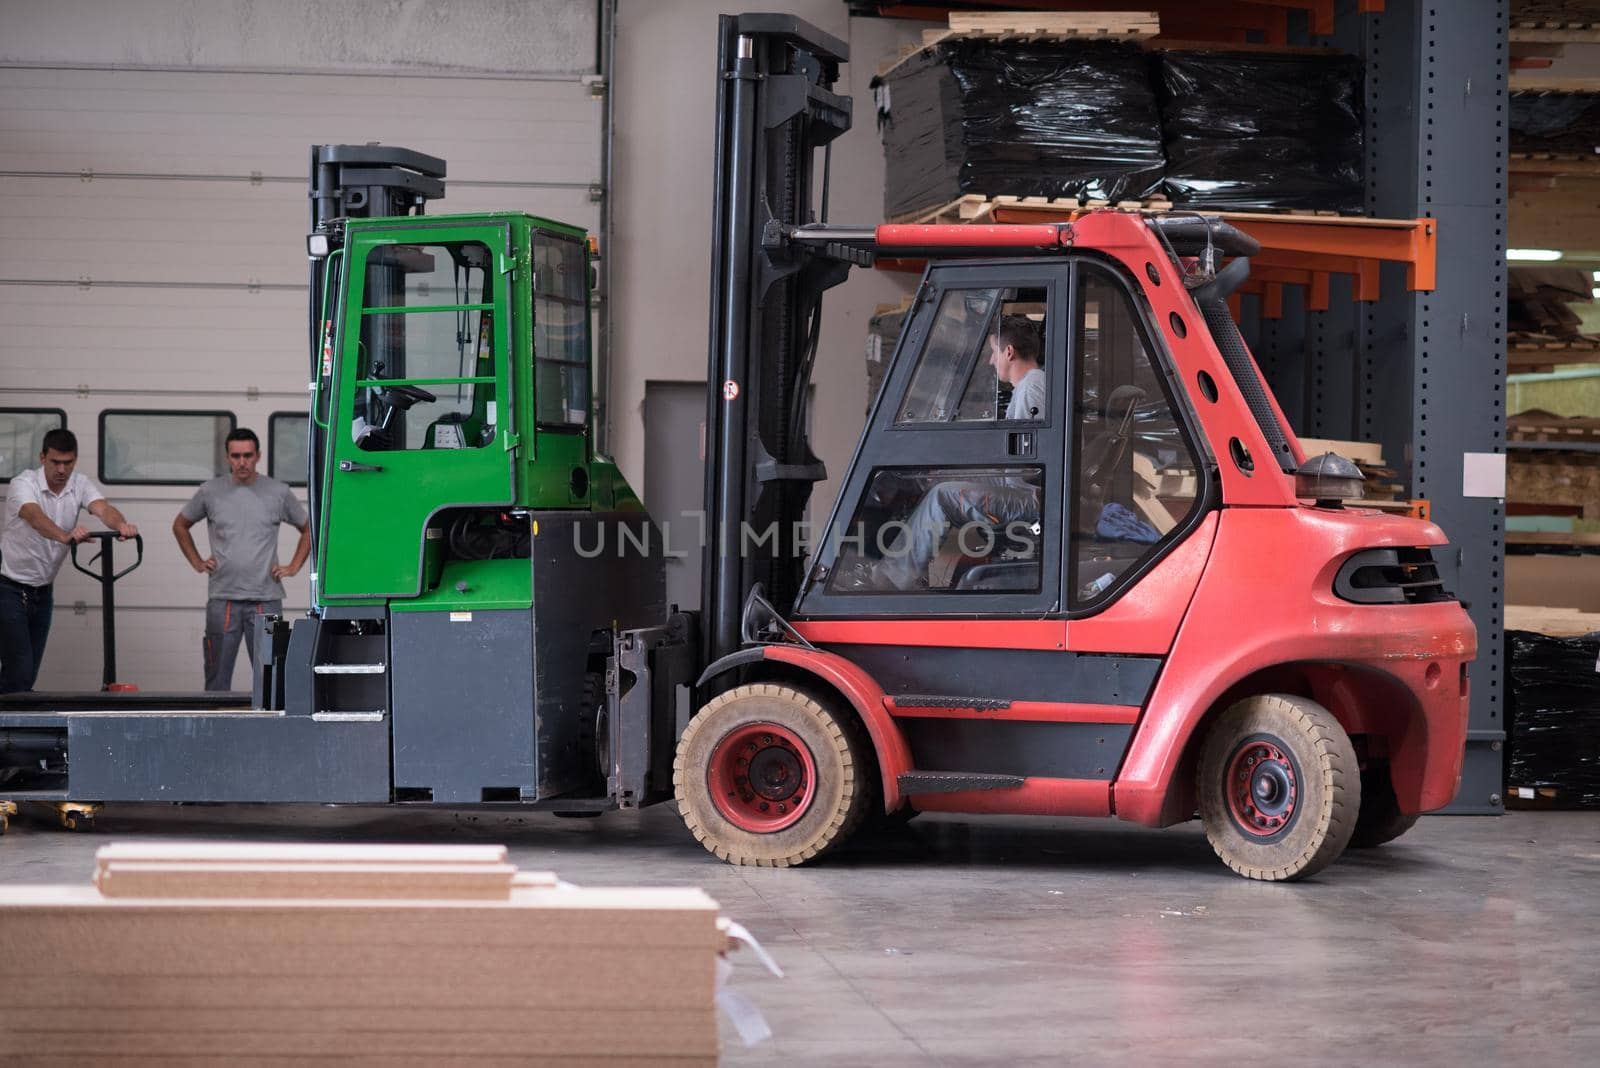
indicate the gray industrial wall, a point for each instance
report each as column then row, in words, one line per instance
column 152, row 213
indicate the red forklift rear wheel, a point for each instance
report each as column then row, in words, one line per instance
column 766, row 775
column 1280, row 787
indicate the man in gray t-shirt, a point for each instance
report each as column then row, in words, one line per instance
column 243, row 509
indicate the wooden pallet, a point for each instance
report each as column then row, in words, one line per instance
column 1535, row 353
column 1553, row 163
column 1528, row 341
column 1532, row 797
column 1555, row 32
column 1553, row 429
column 1033, row 26
column 977, row 208
column 1546, row 797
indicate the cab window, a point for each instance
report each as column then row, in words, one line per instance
column 944, row 530
column 426, row 363
column 983, row 361
column 560, row 331
column 1136, row 477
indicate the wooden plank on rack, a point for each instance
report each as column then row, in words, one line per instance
column 1543, row 81
column 1534, row 33
column 1555, row 164
column 1056, row 23
column 1556, row 622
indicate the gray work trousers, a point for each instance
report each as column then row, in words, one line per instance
column 227, row 624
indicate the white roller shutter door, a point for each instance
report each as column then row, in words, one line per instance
column 152, row 222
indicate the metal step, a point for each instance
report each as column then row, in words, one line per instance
column 950, row 782
column 938, row 700
column 347, row 717
column 349, row 669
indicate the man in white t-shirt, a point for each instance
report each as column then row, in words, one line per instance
column 41, row 522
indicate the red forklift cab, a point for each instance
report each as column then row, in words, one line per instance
column 1115, row 606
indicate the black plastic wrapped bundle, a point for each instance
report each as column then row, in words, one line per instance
column 1553, row 721
column 1565, row 123
column 1246, row 131
column 883, row 334
column 1041, row 118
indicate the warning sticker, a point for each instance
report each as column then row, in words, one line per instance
column 730, row 390
column 327, row 347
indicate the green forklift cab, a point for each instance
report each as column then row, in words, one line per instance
column 453, row 391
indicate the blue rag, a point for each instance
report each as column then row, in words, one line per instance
column 1117, row 523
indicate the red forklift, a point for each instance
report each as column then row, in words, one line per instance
column 1078, row 566
column 1138, row 599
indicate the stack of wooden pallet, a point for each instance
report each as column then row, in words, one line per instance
column 1560, row 478
column 1542, row 330
column 1010, row 26
column 352, row 954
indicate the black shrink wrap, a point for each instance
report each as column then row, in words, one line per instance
column 1252, row 132
column 1562, row 123
column 1553, row 715
column 883, row 334
column 1040, row 118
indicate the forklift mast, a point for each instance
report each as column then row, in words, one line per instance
column 775, row 109
column 353, row 182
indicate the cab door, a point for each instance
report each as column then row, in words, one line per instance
column 422, row 416
column 953, row 504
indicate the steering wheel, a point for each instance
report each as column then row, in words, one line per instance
column 1105, row 453
column 403, row 397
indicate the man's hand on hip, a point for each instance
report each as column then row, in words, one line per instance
column 206, row 566
column 283, row 571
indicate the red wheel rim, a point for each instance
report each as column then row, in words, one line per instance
column 762, row 777
column 1261, row 787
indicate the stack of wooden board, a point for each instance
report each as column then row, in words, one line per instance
column 191, row 954
column 1552, row 474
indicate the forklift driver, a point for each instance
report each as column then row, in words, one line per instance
column 992, row 502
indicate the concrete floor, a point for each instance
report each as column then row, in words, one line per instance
column 1007, row 942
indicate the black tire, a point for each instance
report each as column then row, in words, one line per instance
column 1279, row 787
column 597, row 725
column 1380, row 819
column 774, row 731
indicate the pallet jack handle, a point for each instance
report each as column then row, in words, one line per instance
column 107, row 577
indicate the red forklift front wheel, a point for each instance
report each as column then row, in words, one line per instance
column 762, row 777
column 771, row 775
